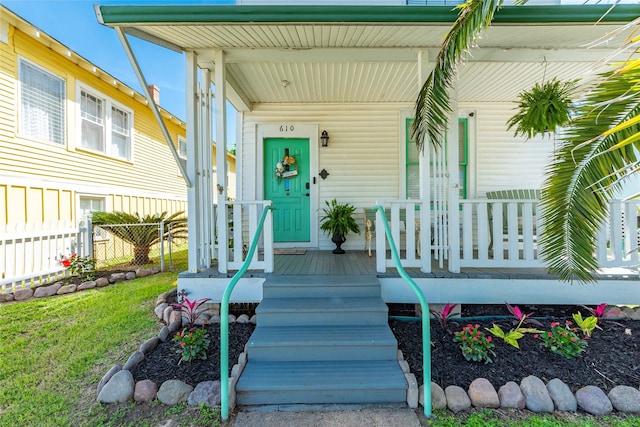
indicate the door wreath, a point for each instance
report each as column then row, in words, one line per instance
column 286, row 168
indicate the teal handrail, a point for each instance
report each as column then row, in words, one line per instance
column 426, row 333
column 224, row 319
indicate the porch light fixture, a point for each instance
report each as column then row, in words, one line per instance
column 324, row 138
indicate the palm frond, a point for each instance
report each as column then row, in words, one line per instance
column 141, row 231
column 432, row 105
column 598, row 153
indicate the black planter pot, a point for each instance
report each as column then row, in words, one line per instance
column 338, row 239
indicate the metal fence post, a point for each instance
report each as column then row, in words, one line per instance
column 162, row 246
column 88, row 250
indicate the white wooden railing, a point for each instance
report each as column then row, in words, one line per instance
column 618, row 241
column 411, row 240
column 497, row 233
column 30, row 253
column 245, row 216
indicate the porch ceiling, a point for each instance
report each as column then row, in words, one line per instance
column 335, row 59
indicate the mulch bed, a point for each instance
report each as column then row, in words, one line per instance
column 611, row 357
column 162, row 364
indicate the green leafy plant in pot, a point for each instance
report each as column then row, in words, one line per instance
column 337, row 221
column 543, row 108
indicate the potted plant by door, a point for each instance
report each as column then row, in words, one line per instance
column 337, row 221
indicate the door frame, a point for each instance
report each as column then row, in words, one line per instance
column 307, row 131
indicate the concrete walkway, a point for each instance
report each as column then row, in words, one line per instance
column 374, row 417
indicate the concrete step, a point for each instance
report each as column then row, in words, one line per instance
column 329, row 382
column 322, row 311
column 322, row 342
column 320, row 286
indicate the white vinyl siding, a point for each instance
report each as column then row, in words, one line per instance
column 502, row 160
column 362, row 158
column 106, row 127
column 42, row 108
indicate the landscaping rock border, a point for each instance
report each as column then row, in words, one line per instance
column 60, row 288
column 532, row 393
column 171, row 392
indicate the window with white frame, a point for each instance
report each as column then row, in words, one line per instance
column 87, row 205
column 182, row 147
column 105, row 126
column 42, row 103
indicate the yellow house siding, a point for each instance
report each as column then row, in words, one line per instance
column 7, row 86
column 153, row 166
column 59, row 174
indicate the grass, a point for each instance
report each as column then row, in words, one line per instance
column 55, row 350
column 514, row 418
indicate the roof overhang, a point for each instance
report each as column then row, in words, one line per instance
column 301, row 54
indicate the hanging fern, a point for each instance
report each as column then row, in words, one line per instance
column 543, row 108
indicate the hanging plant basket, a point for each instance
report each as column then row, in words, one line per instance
column 543, row 108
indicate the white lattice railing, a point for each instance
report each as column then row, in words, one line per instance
column 244, row 217
column 30, row 253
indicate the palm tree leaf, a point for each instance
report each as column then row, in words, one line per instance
column 586, row 175
column 432, row 105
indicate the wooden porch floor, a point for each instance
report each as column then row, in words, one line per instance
column 356, row 262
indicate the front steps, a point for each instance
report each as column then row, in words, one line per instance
column 322, row 340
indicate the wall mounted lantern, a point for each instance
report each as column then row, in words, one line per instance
column 324, row 138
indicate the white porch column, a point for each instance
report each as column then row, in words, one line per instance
column 205, row 166
column 194, row 192
column 454, row 184
column 425, row 178
column 221, row 159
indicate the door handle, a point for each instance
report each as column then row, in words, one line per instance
column 307, row 185
column 307, row 194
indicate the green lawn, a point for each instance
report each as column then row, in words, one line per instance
column 53, row 352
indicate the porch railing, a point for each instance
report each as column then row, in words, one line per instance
column 408, row 235
column 381, row 219
column 244, row 219
column 30, row 254
column 496, row 233
column 224, row 311
column 619, row 240
column 499, row 233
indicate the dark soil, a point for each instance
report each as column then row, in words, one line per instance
column 611, row 358
column 162, row 364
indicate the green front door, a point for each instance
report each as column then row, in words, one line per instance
column 289, row 192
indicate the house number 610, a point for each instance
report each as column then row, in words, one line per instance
column 285, row 128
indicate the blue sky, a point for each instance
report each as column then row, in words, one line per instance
column 74, row 24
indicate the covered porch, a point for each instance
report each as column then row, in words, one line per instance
column 295, row 72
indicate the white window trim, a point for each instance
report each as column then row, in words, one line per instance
column 108, row 104
column 184, row 140
column 101, row 236
column 19, row 111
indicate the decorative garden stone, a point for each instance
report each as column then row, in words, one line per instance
column 592, row 400
column 536, row 396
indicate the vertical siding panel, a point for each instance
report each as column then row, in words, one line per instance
column 3, row 205
column 51, row 199
column 17, row 204
column 35, row 204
